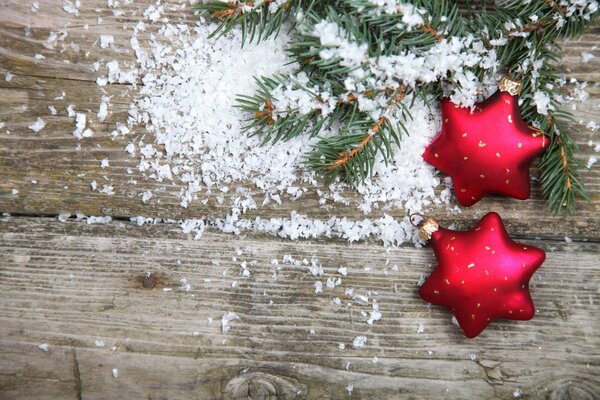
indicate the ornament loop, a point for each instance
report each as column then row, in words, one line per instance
column 416, row 225
column 511, row 85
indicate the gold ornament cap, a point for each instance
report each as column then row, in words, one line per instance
column 510, row 85
column 428, row 228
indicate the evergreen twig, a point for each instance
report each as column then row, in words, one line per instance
column 523, row 35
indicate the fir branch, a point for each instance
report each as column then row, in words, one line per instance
column 373, row 41
column 351, row 153
column 257, row 20
column 376, row 129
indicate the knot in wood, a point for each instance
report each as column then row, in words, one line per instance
column 262, row 386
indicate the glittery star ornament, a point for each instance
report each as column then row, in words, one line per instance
column 487, row 150
column 482, row 275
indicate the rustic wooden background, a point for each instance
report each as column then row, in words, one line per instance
column 72, row 284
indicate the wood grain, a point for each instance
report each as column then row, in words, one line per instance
column 70, row 284
column 62, row 175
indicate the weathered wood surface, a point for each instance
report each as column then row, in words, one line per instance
column 70, row 284
column 50, row 159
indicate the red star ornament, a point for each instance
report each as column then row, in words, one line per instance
column 488, row 150
column 482, row 275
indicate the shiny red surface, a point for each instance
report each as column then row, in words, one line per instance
column 482, row 275
column 486, row 151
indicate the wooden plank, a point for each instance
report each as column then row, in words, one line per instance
column 71, row 284
column 62, row 175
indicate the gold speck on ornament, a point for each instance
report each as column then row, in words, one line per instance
column 462, row 282
column 498, row 155
column 436, row 155
column 472, row 316
column 436, row 292
column 447, row 281
column 482, row 143
column 507, row 181
column 520, row 145
column 465, row 134
column 510, row 118
column 466, row 158
column 482, row 176
column 510, row 311
column 471, row 265
column 478, row 305
column 463, row 190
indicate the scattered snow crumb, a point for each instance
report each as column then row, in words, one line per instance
column 104, row 163
column 343, row 271
column 350, row 388
column 473, row 357
column 359, row 342
column 98, row 220
column 72, row 7
column 375, row 315
column 43, row 347
column 63, row 217
column 106, row 41
column 8, row 76
column 591, row 161
column 341, row 346
column 15, row 191
column 38, row 125
column 225, row 319
column 115, row 373
column 586, row 57
column 99, row 343
column 318, row 287
column 517, row 393
column 420, row 328
column 102, row 110
column 568, row 239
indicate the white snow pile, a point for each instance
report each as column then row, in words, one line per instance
column 186, row 103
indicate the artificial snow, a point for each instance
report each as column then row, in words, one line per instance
column 37, row 126
column 226, row 319
column 187, row 104
column 359, row 342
